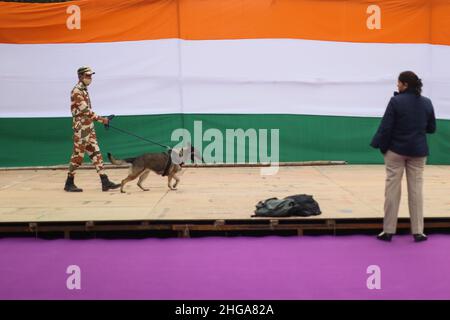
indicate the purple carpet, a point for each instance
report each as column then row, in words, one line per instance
column 322, row 267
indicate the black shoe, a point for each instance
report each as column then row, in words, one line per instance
column 106, row 184
column 420, row 237
column 70, row 185
column 385, row 236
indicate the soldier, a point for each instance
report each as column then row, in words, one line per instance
column 84, row 137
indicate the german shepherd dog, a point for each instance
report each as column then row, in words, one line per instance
column 164, row 163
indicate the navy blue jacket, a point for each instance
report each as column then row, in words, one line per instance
column 407, row 120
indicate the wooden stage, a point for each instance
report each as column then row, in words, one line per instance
column 210, row 199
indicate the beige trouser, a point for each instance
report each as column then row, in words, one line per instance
column 395, row 165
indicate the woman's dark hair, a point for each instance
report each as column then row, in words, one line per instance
column 413, row 81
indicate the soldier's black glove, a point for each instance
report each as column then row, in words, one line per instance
column 110, row 117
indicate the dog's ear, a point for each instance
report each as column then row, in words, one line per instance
column 195, row 154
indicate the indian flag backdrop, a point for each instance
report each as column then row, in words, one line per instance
column 320, row 71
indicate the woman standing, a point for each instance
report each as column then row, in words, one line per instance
column 402, row 139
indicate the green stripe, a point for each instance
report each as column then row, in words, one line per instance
column 48, row 141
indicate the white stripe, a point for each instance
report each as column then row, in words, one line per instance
column 222, row 76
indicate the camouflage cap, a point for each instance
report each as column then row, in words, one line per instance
column 85, row 70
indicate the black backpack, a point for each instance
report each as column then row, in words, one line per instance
column 302, row 205
column 305, row 206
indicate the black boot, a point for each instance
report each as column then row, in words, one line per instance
column 385, row 236
column 420, row 237
column 70, row 185
column 106, row 184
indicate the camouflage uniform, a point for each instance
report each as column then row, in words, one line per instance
column 84, row 137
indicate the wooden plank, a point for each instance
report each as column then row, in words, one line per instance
column 213, row 194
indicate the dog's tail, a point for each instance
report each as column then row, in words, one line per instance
column 118, row 161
